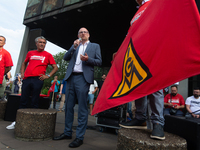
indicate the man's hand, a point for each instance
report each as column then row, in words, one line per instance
column 170, row 104
column 84, row 58
column 76, row 43
column 43, row 77
column 22, row 75
column 195, row 116
column 176, row 106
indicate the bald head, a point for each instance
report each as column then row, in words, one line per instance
column 83, row 33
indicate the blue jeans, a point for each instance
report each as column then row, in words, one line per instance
column 156, row 101
column 91, row 98
column 178, row 113
column 129, row 105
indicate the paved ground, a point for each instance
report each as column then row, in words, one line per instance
column 94, row 139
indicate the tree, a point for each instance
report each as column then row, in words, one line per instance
column 62, row 67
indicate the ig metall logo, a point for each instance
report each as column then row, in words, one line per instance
column 134, row 73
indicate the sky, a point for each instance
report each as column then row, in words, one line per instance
column 12, row 28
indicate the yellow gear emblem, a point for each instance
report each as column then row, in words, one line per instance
column 135, row 72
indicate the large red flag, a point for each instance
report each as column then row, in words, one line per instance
column 51, row 89
column 161, row 48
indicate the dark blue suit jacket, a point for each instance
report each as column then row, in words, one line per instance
column 94, row 59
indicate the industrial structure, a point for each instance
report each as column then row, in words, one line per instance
column 107, row 21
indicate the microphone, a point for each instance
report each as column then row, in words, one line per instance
column 77, row 44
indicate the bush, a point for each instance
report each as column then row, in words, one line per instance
column 45, row 91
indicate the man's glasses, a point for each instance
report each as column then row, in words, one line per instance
column 81, row 32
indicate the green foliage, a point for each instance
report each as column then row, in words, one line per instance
column 11, row 84
column 62, row 67
column 45, row 91
column 99, row 71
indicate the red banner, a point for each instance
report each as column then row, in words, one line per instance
column 161, row 48
column 51, row 89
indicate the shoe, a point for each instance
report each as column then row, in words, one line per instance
column 62, row 136
column 134, row 124
column 76, row 143
column 12, row 126
column 3, row 99
column 157, row 132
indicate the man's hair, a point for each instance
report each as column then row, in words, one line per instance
column 174, row 86
column 40, row 37
column 3, row 37
column 196, row 88
column 81, row 28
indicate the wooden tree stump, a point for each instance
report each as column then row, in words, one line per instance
column 35, row 124
column 130, row 139
column 2, row 109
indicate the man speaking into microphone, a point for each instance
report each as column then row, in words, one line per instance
column 82, row 56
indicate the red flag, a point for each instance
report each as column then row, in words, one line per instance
column 51, row 89
column 161, row 48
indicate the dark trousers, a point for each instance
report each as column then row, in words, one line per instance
column 178, row 113
column 31, row 87
column 76, row 89
column 16, row 89
column 54, row 96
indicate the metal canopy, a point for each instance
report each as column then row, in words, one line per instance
column 107, row 21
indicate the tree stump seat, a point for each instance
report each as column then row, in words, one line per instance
column 131, row 139
column 35, row 124
column 2, row 109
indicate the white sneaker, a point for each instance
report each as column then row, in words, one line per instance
column 12, row 126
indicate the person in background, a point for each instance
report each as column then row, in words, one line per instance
column 19, row 83
column 16, row 88
column 175, row 100
column 5, row 66
column 62, row 93
column 33, row 72
column 8, row 81
column 53, row 95
column 92, row 90
column 100, row 83
column 193, row 104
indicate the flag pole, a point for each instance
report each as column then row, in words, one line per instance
column 53, row 96
column 52, row 100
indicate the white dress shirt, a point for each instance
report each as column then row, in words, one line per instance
column 78, row 64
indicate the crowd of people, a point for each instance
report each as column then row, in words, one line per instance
column 79, row 86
